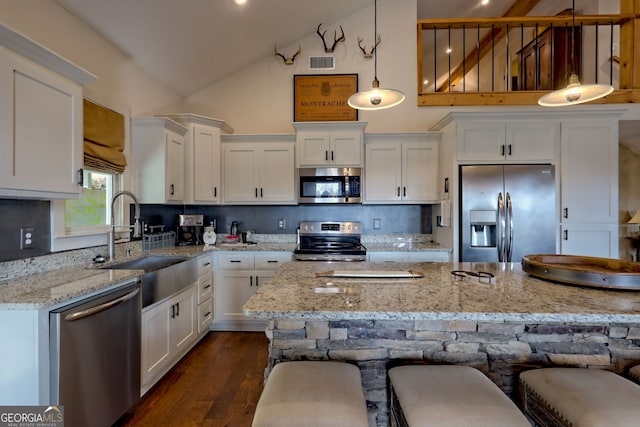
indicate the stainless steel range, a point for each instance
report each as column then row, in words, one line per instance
column 330, row 241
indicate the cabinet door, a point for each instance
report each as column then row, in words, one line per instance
column 589, row 239
column 419, row 172
column 346, row 148
column 429, row 256
column 313, row 148
column 206, row 164
column 271, row 260
column 183, row 322
column 532, row 140
column 277, row 174
column 241, row 174
column 40, row 130
column 387, row 256
column 481, row 141
column 232, row 290
column 156, row 340
column 175, row 166
column 205, row 315
column 383, row 177
column 589, row 167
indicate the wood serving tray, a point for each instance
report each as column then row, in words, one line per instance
column 605, row 273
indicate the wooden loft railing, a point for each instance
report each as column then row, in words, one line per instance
column 492, row 57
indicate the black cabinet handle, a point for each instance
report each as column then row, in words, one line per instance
column 502, row 150
column 332, row 155
column 206, row 314
column 566, row 213
column 326, row 155
column 509, row 149
column 171, row 189
column 207, row 287
column 173, row 311
column 257, row 281
column 235, row 260
column 215, row 191
column 251, row 281
column 404, row 191
column 81, row 177
column 566, row 235
column 177, row 309
column 261, row 192
column 256, row 190
column 398, row 191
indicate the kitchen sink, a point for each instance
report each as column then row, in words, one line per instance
column 163, row 275
column 148, row 264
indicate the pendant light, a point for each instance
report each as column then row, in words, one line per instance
column 574, row 93
column 375, row 98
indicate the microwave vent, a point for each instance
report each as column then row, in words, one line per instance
column 322, row 63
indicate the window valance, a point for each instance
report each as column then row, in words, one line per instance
column 103, row 139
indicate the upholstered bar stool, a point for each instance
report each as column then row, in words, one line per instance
column 634, row 373
column 448, row 396
column 579, row 398
column 312, row 394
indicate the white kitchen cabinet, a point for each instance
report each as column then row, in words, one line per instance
column 202, row 158
column 238, row 277
column 258, row 170
column 41, row 135
column 401, row 168
column 329, row 144
column 168, row 332
column 205, row 293
column 507, row 141
column 589, row 187
column 158, row 159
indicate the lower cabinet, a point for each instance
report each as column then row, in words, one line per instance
column 589, row 239
column 416, row 256
column 168, row 332
column 238, row 277
column 205, row 293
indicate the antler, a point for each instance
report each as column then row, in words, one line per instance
column 336, row 39
column 364, row 49
column 287, row 61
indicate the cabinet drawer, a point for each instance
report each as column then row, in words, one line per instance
column 205, row 314
column 205, row 265
column 205, row 287
column 271, row 260
column 236, row 261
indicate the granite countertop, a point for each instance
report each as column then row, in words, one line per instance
column 404, row 246
column 514, row 296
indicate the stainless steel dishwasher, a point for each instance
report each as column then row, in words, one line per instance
column 95, row 356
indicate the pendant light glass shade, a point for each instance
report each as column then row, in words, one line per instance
column 574, row 93
column 375, row 98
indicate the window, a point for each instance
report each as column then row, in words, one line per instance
column 91, row 209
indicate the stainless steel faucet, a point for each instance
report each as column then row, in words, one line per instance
column 112, row 231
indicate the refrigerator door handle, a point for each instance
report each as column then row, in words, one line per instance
column 509, row 229
column 500, row 220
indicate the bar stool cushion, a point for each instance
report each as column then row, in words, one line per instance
column 579, row 397
column 634, row 373
column 312, row 394
column 447, row 395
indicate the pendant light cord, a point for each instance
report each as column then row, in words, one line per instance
column 375, row 34
column 573, row 36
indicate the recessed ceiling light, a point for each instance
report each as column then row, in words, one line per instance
column 484, row 2
column 241, row 2
column 448, row 50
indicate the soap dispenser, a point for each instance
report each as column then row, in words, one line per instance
column 209, row 236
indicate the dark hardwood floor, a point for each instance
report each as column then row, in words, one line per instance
column 217, row 384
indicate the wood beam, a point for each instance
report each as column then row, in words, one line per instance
column 518, row 8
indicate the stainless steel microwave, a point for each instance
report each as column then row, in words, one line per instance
column 330, row 185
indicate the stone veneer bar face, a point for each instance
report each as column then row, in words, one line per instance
column 499, row 349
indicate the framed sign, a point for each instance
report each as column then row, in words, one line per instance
column 321, row 98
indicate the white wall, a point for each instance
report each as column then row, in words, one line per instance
column 119, row 81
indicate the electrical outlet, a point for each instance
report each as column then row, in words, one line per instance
column 377, row 224
column 27, row 238
column 280, row 223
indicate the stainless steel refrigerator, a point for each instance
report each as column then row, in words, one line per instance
column 507, row 211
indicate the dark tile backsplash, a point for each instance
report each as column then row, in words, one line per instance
column 415, row 219
column 16, row 214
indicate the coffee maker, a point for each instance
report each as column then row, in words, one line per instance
column 189, row 229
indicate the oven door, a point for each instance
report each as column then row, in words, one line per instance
column 329, row 185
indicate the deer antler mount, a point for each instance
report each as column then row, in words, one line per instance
column 336, row 39
column 287, row 61
column 364, row 48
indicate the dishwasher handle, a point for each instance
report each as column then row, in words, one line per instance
column 102, row 307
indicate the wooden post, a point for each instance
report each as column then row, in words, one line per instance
column 630, row 46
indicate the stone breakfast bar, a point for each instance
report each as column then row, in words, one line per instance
column 514, row 323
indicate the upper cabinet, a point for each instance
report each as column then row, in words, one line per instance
column 159, row 159
column 334, row 144
column 507, row 141
column 202, row 181
column 258, row 169
column 401, row 168
column 40, row 120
